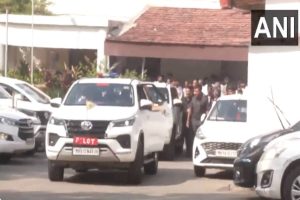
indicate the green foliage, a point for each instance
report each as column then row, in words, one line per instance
column 133, row 74
column 24, row 7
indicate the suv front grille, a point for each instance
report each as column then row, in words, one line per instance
column 98, row 129
column 25, row 129
column 211, row 147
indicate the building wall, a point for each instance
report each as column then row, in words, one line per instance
column 274, row 71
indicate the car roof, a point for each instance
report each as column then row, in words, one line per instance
column 233, row 97
column 109, row 80
column 10, row 80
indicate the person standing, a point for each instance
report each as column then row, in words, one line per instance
column 186, row 100
column 197, row 107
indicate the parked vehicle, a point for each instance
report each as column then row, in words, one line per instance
column 227, row 126
column 108, row 123
column 16, row 133
column 173, row 143
column 250, row 153
column 278, row 170
column 32, row 102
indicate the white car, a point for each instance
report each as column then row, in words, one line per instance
column 278, row 170
column 16, row 133
column 108, row 123
column 227, row 126
column 174, row 143
column 31, row 101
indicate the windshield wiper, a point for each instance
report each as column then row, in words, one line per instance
column 276, row 108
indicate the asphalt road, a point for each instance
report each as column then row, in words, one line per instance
column 25, row 178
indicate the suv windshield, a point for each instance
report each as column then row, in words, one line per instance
column 229, row 110
column 34, row 93
column 102, row 94
column 4, row 94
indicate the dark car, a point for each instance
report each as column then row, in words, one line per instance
column 244, row 174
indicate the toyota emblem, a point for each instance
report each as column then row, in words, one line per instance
column 86, row 125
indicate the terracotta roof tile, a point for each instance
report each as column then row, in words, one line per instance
column 190, row 26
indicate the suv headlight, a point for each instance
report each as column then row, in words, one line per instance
column 8, row 121
column 56, row 121
column 125, row 122
column 199, row 134
column 5, row 136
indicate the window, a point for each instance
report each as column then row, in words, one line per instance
column 153, row 94
column 229, row 110
column 34, row 93
column 101, row 94
column 4, row 94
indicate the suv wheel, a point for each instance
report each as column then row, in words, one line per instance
column 199, row 171
column 135, row 168
column 291, row 183
column 169, row 149
column 55, row 173
column 5, row 158
column 151, row 168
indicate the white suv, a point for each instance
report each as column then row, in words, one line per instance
column 173, row 143
column 16, row 133
column 120, row 123
column 32, row 101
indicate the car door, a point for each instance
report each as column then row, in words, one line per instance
column 144, row 119
column 161, row 115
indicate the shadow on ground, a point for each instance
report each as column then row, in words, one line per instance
column 11, row 195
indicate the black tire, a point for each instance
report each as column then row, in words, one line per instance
column 135, row 173
column 151, row 168
column 169, row 149
column 55, row 172
column 289, row 181
column 30, row 152
column 199, row 171
column 4, row 158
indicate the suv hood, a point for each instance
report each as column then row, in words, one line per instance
column 106, row 113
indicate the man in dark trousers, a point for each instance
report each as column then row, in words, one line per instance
column 186, row 100
column 197, row 107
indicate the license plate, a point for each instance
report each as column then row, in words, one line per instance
column 80, row 151
column 226, row 153
column 87, row 141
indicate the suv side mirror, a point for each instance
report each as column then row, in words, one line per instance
column 56, row 102
column 15, row 99
column 177, row 102
column 146, row 104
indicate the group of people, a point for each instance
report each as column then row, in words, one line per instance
column 197, row 98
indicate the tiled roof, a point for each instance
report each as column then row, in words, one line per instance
column 190, row 26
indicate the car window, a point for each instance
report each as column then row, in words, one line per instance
column 141, row 92
column 4, row 94
column 153, row 94
column 11, row 91
column 102, row 94
column 34, row 93
column 229, row 110
column 164, row 92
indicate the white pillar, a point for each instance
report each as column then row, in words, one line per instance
column 2, row 59
column 100, row 51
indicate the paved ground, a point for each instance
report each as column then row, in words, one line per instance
column 26, row 179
